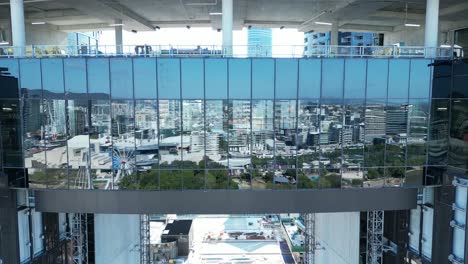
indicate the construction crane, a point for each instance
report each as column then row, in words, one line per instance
column 144, row 239
column 375, row 226
column 309, row 223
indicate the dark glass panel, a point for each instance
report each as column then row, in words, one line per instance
column 263, row 78
column 309, row 78
column 216, row 78
column 332, row 79
column 460, row 86
column 355, row 79
column 286, row 78
column 52, row 78
column 240, row 78
column 144, row 74
column 169, row 78
column 458, row 153
column 439, row 132
column 10, row 132
column 377, row 73
column 418, row 133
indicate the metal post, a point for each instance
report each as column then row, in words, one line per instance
column 17, row 27
column 375, row 223
column 227, row 21
column 118, row 37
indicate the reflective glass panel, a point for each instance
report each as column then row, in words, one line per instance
column 285, row 135
column 192, row 79
column 79, row 118
column 308, row 179
column 37, row 178
column 193, row 133
column 75, row 78
column 308, row 135
column 353, row 143
column 377, row 73
column 121, row 70
column 98, row 78
column 54, row 125
column 216, row 79
column 33, row 139
column 439, row 132
column 240, row 78
column 193, row 179
column 286, row 78
column 57, row 178
column 355, row 79
column 52, row 78
column 12, row 65
column 420, row 78
column 263, row 78
column 219, row 179
column 144, row 74
column 170, row 137
column 398, row 79
column 168, row 78
column 458, row 156
column 30, row 78
column 170, row 179
column 309, row 78
column 460, row 86
column 216, row 126
column 80, row 178
column 123, row 139
column 146, row 134
column 100, row 135
column 332, row 78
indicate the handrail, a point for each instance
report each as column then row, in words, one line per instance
column 236, row 51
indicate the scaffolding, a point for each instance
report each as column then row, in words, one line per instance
column 79, row 238
column 144, row 239
column 375, row 226
column 309, row 223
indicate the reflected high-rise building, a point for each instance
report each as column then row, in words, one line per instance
column 260, row 42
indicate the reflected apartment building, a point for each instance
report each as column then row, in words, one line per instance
column 171, row 124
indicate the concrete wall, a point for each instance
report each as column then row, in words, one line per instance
column 38, row 35
column 117, row 238
column 410, row 36
column 338, row 236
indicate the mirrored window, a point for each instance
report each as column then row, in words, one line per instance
column 34, row 136
column 263, row 78
column 123, row 138
column 30, row 78
column 377, row 74
column 12, row 65
column 332, row 78
column 308, row 135
column 52, row 78
column 98, row 78
column 308, row 179
column 170, row 179
column 420, row 78
column 458, row 130
column 355, row 79
column 170, row 134
column 216, row 127
column 55, row 134
column 146, row 135
column 353, row 135
column 57, row 178
column 309, row 78
column 168, row 78
column 240, row 78
column 398, row 79
column 193, row 134
column 121, row 70
column 100, row 139
column 439, row 132
column 75, row 78
column 216, row 78
column 79, row 124
column 286, row 78
column 219, row 179
column 192, row 79
column 144, row 74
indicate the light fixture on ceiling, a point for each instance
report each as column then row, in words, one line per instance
column 157, row 27
column 215, row 13
column 323, row 23
column 281, row 27
column 38, row 23
column 188, row 27
column 219, row 30
column 2, row 40
column 250, row 26
column 116, row 25
column 411, row 25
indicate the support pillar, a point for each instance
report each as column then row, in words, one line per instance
column 431, row 28
column 334, row 34
column 17, row 27
column 118, row 36
column 227, row 22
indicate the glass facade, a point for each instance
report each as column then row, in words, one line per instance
column 214, row 123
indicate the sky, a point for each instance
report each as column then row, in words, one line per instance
column 283, row 40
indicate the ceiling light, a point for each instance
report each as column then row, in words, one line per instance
column 116, row 25
column 323, row 23
column 219, row 30
column 4, row 43
column 412, row 25
column 216, row 13
column 188, row 27
column 38, row 23
column 281, row 27
column 250, row 26
column 157, row 27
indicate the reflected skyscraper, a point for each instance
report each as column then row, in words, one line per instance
column 260, row 42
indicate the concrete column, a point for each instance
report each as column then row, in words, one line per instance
column 432, row 26
column 334, row 34
column 17, row 27
column 118, row 36
column 227, row 22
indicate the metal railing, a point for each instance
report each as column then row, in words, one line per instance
column 237, row 51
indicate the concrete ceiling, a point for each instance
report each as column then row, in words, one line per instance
column 146, row 15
